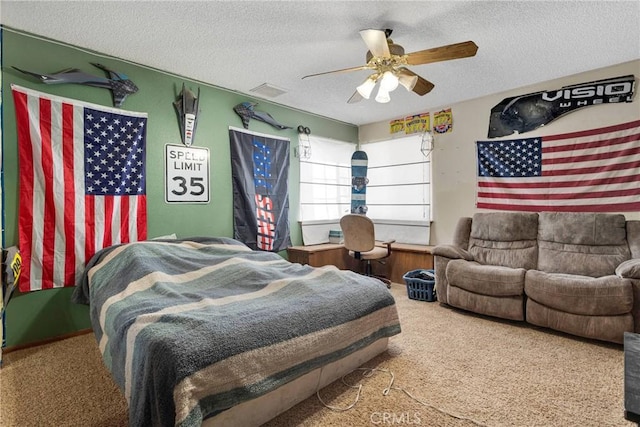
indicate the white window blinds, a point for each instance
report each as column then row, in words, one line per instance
column 325, row 180
column 399, row 180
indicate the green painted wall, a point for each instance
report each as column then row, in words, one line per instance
column 42, row 314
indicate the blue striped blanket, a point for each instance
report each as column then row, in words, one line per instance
column 190, row 328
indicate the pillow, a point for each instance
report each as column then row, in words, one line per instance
column 167, row 237
column 629, row 269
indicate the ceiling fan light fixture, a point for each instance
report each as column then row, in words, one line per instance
column 389, row 81
column 388, row 60
column 366, row 88
column 383, row 95
column 409, row 82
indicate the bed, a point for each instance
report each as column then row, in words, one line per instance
column 207, row 331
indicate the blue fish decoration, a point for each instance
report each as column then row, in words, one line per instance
column 119, row 84
column 247, row 112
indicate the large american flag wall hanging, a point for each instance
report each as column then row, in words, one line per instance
column 596, row 170
column 82, row 184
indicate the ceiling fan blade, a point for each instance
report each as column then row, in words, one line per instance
column 422, row 86
column 356, row 97
column 344, row 70
column 442, row 53
column 376, row 41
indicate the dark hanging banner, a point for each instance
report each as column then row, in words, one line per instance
column 525, row 113
column 260, row 174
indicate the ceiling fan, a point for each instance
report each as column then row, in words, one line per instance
column 388, row 61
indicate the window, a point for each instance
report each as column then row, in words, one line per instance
column 325, row 180
column 398, row 193
column 399, row 180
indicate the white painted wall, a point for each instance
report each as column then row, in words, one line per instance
column 454, row 161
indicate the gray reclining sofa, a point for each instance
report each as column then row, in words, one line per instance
column 577, row 273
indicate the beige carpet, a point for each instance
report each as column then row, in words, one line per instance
column 483, row 371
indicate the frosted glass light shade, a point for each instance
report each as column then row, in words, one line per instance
column 409, row 82
column 366, row 88
column 389, row 81
column 383, row 95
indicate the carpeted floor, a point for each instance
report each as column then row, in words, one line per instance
column 465, row 369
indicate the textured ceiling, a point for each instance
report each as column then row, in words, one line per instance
column 240, row 45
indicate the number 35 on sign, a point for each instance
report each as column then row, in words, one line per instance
column 186, row 174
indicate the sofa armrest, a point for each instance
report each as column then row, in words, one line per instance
column 629, row 269
column 452, row 252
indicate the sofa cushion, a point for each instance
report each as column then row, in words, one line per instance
column 587, row 244
column 486, row 279
column 509, row 307
column 505, row 239
column 606, row 328
column 602, row 296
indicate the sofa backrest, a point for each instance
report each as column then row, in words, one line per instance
column 588, row 244
column 633, row 238
column 507, row 239
column 462, row 233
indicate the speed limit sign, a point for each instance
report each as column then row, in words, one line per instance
column 186, row 174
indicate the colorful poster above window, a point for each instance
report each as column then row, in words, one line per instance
column 396, row 126
column 525, row 113
column 260, row 175
column 443, row 121
column 186, row 174
column 417, row 124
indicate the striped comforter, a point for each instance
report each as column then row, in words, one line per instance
column 189, row 328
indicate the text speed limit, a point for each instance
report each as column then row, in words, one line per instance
column 187, row 174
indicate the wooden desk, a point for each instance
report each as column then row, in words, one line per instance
column 323, row 254
column 404, row 257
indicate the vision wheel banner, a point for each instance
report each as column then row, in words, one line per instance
column 525, row 113
column 260, row 175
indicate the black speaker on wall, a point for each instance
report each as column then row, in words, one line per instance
column 632, row 377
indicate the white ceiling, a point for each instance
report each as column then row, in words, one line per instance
column 240, row 45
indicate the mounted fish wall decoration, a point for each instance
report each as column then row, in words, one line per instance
column 528, row 112
column 118, row 83
column 187, row 109
column 246, row 112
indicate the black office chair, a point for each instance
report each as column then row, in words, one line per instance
column 359, row 239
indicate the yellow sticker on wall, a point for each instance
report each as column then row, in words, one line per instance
column 417, row 124
column 443, row 121
column 396, row 126
column 16, row 266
